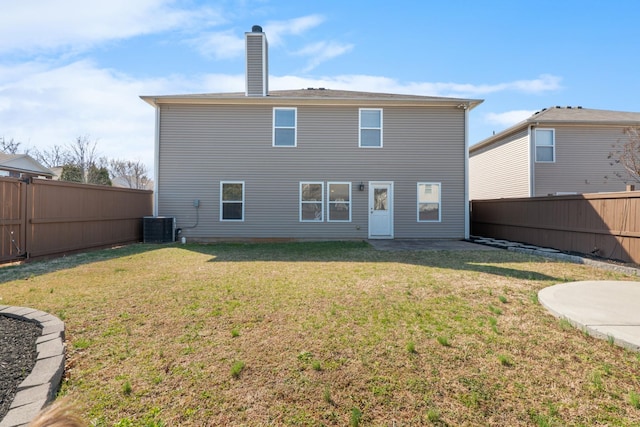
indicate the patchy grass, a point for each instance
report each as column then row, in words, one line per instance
column 324, row 333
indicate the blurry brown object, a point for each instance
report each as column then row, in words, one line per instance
column 58, row 414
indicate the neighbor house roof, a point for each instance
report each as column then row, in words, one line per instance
column 566, row 115
column 23, row 163
column 314, row 96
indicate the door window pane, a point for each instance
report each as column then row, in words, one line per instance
column 380, row 199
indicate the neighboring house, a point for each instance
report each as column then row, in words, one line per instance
column 559, row 150
column 311, row 163
column 22, row 166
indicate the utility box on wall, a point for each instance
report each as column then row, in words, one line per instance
column 159, row 229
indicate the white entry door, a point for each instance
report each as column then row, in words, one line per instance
column 381, row 210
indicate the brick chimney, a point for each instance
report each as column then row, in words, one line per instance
column 257, row 62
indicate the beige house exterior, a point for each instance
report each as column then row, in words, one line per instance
column 559, row 150
column 22, row 166
column 311, row 164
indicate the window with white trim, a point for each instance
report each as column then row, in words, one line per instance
column 284, row 127
column 231, row 201
column 370, row 128
column 339, row 204
column 545, row 145
column 311, row 201
column 429, row 202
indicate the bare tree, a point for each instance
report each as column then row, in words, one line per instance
column 9, row 147
column 626, row 153
column 83, row 154
column 51, row 157
column 133, row 174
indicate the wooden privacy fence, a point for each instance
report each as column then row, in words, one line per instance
column 41, row 217
column 603, row 224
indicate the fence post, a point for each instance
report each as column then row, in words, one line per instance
column 24, row 209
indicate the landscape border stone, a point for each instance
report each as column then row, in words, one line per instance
column 41, row 386
column 553, row 253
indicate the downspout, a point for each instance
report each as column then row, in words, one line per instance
column 156, row 164
column 531, row 161
column 466, row 173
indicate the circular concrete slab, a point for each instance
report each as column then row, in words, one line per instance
column 606, row 309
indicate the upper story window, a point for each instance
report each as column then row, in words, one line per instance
column 370, row 127
column 232, row 201
column 545, row 145
column 284, row 127
column 428, row 202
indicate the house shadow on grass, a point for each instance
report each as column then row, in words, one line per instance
column 479, row 260
column 469, row 259
column 25, row 270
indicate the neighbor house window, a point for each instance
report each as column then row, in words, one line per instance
column 339, row 194
column 545, row 145
column 370, row 127
column 284, row 127
column 311, row 201
column 428, row 202
column 232, row 201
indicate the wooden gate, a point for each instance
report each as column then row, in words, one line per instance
column 41, row 217
column 12, row 219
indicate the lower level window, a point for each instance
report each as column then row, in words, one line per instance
column 232, row 201
column 311, row 201
column 339, row 201
column 428, row 202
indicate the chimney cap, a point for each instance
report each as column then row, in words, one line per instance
column 256, row 29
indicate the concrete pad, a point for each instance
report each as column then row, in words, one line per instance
column 603, row 308
column 426, row 245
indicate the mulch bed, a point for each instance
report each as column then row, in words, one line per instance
column 17, row 356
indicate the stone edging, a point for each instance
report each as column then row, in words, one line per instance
column 578, row 260
column 42, row 384
column 553, row 253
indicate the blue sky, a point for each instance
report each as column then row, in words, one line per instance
column 72, row 68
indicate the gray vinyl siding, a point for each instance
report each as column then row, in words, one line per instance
column 201, row 145
column 256, row 65
column 581, row 164
column 501, row 169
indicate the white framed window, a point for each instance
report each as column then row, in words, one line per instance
column 339, row 202
column 311, row 201
column 231, row 201
column 284, row 127
column 545, row 145
column 429, row 202
column 370, row 128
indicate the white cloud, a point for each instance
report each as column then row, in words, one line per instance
column 389, row 85
column 276, row 30
column 508, row 118
column 37, row 25
column 322, row 51
column 219, row 45
column 48, row 106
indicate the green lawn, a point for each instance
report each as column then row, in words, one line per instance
column 324, row 333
